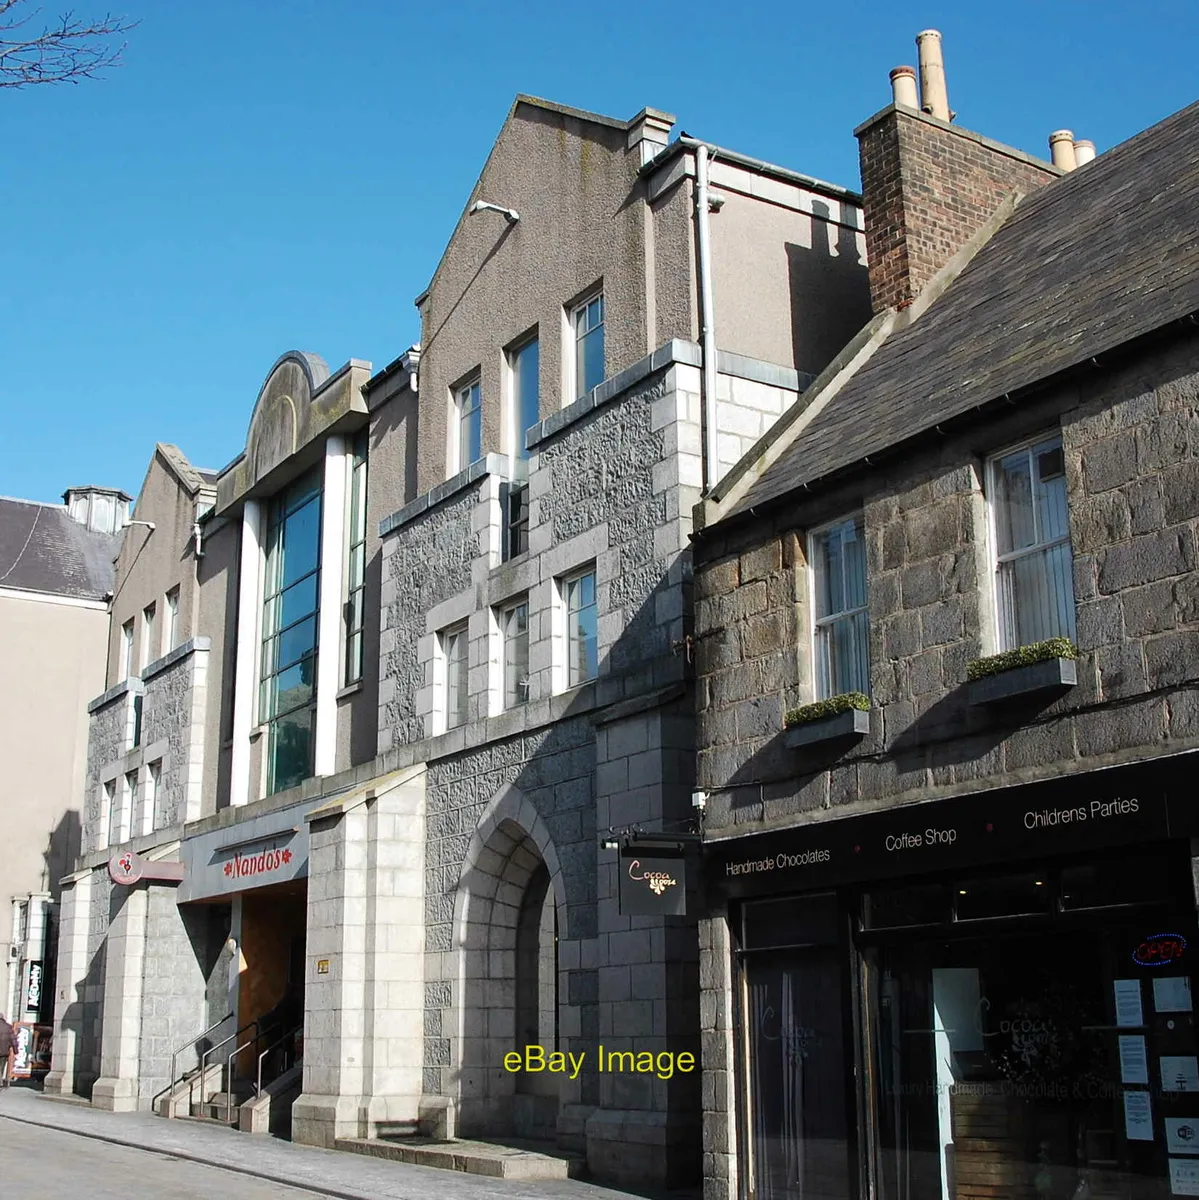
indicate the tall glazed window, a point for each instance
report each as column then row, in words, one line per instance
column 468, row 417
column 582, row 657
column 356, row 564
column 1034, row 567
column 289, row 632
column 837, row 554
column 524, row 401
column 588, row 322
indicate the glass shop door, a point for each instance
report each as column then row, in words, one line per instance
column 1034, row 1038
column 796, row 1050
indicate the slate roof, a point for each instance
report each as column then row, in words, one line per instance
column 43, row 550
column 1089, row 262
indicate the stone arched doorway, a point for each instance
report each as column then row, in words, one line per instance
column 508, row 913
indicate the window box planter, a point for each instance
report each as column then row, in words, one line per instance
column 840, row 718
column 1036, row 670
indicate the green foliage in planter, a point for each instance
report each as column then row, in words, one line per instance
column 826, row 708
column 1022, row 656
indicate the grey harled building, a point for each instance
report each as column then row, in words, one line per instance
column 430, row 637
column 947, row 653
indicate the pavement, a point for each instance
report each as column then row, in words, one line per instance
column 282, row 1164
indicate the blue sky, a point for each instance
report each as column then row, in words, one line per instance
column 283, row 174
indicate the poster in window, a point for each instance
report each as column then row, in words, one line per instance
column 1184, row 1176
column 1172, row 993
column 1138, row 1117
column 1134, row 1064
column 1128, row 1003
column 1180, row 1073
column 1182, row 1135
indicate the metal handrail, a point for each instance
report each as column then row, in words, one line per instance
column 258, row 1034
column 291, row 1033
column 224, row 1042
column 175, row 1059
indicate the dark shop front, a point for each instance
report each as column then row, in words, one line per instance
column 982, row 997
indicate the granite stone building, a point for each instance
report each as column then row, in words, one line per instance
column 56, row 577
column 947, row 651
column 376, row 687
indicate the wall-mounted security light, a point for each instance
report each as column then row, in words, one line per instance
column 509, row 214
column 699, row 800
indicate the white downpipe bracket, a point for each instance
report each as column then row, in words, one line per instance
column 245, row 679
column 707, row 315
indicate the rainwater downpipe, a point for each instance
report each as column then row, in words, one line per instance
column 707, row 314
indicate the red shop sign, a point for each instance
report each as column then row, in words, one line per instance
column 1159, row 950
column 242, row 866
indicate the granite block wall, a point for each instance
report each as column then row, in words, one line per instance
column 109, row 737
column 175, row 980
column 173, row 710
column 1129, row 437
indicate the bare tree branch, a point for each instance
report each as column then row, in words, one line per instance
column 66, row 51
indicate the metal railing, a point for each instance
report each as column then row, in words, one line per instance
column 249, row 1044
column 279, row 1041
column 228, row 1065
column 176, row 1079
column 239, row 1048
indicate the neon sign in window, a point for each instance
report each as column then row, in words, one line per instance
column 1159, row 950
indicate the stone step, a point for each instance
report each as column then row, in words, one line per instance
column 516, row 1160
column 216, row 1109
column 200, row 1116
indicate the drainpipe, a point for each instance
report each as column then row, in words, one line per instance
column 707, row 314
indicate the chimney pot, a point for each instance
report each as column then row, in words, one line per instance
column 1084, row 151
column 1061, row 149
column 903, row 87
column 934, row 98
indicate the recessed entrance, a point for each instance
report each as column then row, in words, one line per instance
column 509, row 989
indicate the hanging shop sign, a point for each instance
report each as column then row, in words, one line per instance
column 33, row 991
column 653, row 879
column 128, row 868
column 1077, row 813
column 269, row 849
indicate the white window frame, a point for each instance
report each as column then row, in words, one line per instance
column 127, row 644
column 459, row 410
column 513, row 434
column 150, row 786
column 149, row 629
column 129, row 792
column 445, row 718
column 564, row 586
column 109, row 813
column 505, row 613
column 171, row 625
column 1002, row 641
column 816, row 624
column 353, row 664
column 575, row 360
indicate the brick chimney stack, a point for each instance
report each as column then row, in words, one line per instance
column 928, row 186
